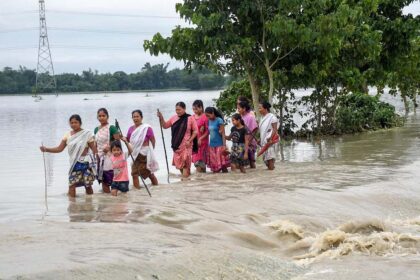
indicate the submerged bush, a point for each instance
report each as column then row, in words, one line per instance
column 358, row 112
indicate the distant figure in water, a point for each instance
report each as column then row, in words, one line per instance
column 240, row 144
column 251, row 125
column 268, row 132
column 184, row 132
column 142, row 138
column 104, row 135
column 218, row 159
column 199, row 158
column 78, row 141
column 119, row 164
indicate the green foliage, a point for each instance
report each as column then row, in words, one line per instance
column 151, row 77
column 226, row 102
column 358, row 112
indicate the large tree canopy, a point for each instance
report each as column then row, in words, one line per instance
column 335, row 47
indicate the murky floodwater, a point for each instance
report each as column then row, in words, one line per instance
column 341, row 208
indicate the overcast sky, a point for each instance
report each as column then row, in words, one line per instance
column 74, row 51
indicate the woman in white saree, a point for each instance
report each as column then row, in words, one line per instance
column 142, row 138
column 78, row 141
column 268, row 131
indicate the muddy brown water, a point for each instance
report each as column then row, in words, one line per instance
column 340, row 208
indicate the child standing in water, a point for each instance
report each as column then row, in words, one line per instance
column 119, row 164
column 217, row 152
column 240, row 144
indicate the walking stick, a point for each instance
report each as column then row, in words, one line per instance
column 144, row 183
column 45, row 180
column 164, row 148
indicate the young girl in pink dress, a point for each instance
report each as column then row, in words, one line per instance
column 199, row 158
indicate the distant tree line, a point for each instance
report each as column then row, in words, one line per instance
column 151, row 77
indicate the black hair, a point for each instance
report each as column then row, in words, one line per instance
column 212, row 110
column 138, row 112
column 181, row 104
column 245, row 105
column 116, row 144
column 103, row 110
column 243, row 99
column 76, row 117
column 265, row 105
column 238, row 117
column 198, row 103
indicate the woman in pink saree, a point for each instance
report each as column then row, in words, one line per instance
column 252, row 127
column 199, row 158
column 184, row 132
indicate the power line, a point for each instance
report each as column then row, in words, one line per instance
column 83, row 30
column 92, row 14
column 80, row 47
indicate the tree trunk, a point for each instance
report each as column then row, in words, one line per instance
column 406, row 104
column 270, row 80
column 255, row 90
column 319, row 111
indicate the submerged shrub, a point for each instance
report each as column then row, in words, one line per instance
column 358, row 112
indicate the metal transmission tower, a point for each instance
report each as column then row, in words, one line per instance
column 45, row 80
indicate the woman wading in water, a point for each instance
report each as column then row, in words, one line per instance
column 78, row 141
column 184, row 131
column 218, row 159
column 142, row 138
column 104, row 135
column 199, row 158
column 251, row 125
column 268, row 132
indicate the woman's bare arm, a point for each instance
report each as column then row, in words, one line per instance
column 54, row 150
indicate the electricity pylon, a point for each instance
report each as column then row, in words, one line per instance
column 45, row 79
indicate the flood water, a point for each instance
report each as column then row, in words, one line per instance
column 340, row 208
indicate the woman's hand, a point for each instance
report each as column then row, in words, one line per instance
column 43, row 149
column 124, row 139
column 246, row 156
column 106, row 149
column 199, row 141
column 188, row 143
column 159, row 115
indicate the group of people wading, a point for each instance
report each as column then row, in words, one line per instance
column 198, row 139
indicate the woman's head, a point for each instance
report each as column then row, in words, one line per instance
column 198, row 107
column 237, row 120
column 243, row 107
column 75, row 122
column 137, row 116
column 103, row 116
column 116, row 148
column 264, row 107
column 180, row 108
column 241, row 99
column 212, row 113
